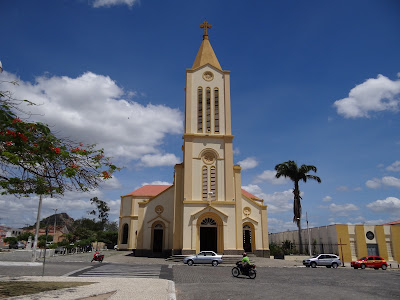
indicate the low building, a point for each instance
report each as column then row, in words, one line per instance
column 58, row 235
column 6, row 231
column 350, row 242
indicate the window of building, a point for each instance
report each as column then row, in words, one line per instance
column 216, row 110
column 200, row 109
column 204, row 183
column 208, row 109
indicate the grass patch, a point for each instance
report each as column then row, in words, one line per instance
column 20, row 288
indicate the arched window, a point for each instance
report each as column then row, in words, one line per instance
column 216, row 110
column 213, row 183
column 200, row 109
column 208, row 222
column 208, row 109
column 204, row 183
column 125, row 233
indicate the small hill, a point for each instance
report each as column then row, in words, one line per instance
column 61, row 220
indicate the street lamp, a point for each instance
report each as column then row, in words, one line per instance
column 55, row 223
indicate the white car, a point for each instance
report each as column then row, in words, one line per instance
column 327, row 260
column 203, row 257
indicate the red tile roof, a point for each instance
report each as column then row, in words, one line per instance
column 249, row 195
column 393, row 223
column 149, row 190
column 154, row 190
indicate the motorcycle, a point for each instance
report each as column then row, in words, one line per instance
column 98, row 257
column 240, row 269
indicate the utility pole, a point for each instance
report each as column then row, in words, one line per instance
column 55, row 223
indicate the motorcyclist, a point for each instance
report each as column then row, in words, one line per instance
column 246, row 262
column 97, row 253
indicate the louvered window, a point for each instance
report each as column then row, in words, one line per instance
column 204, row 182
column 200, row 109
column 213, row 183
column 216, row 110
column 208, row 109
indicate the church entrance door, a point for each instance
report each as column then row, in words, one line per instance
column 208, row 235
column 247, row 238
column 158, row 238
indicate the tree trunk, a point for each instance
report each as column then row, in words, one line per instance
column 300, row 241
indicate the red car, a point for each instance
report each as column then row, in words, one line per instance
column 375, row 262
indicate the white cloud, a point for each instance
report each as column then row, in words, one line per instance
column 327, row 199
column 248, row 163
column 342, row 188
column 278, row 225
column 154, row 160
column 111, row 183
column 391, row 181
column 236, row 151
column 394, row 167
column 277, row 202
column 92, row 108
column 342, row 209
column 373, row 95
column 389, row 205
column 387, row 180
column 157, row 182
column 269, row 176
column 373, row 183
column 108, row 3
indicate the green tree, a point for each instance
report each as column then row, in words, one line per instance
column 101, row 211
column 11, row 240
column 25, row 236
column 293, row 172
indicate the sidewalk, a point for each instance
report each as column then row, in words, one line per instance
column 103, row 288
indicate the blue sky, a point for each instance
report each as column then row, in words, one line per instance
column 312, row 81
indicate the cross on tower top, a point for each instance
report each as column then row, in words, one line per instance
column 205, row 25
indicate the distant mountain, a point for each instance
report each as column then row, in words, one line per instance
column 61, row 220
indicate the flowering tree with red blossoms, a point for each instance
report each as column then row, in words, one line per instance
column 35, row 161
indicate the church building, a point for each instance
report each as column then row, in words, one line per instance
column 205, row 208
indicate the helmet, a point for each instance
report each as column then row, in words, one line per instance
column 244, row 254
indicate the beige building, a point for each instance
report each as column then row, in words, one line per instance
column 205, row 208
column 350, row 242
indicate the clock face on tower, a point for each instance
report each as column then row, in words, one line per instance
column 208, row 76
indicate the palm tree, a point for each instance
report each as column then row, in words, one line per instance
column 290, row 169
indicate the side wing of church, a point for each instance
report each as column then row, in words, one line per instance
column 205, row 208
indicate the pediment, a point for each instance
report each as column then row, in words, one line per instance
column 210, row 209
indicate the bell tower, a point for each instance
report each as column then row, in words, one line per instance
column 207, row 149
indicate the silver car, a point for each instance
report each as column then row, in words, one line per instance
column 328, row 260
column 204, row 257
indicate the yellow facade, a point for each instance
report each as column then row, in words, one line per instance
column 350, row 242
column 205, row 208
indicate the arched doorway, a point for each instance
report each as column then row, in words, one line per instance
column 208, row 235
column 248, row 238
column 158, row 233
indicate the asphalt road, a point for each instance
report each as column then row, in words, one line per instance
column 207, row 282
